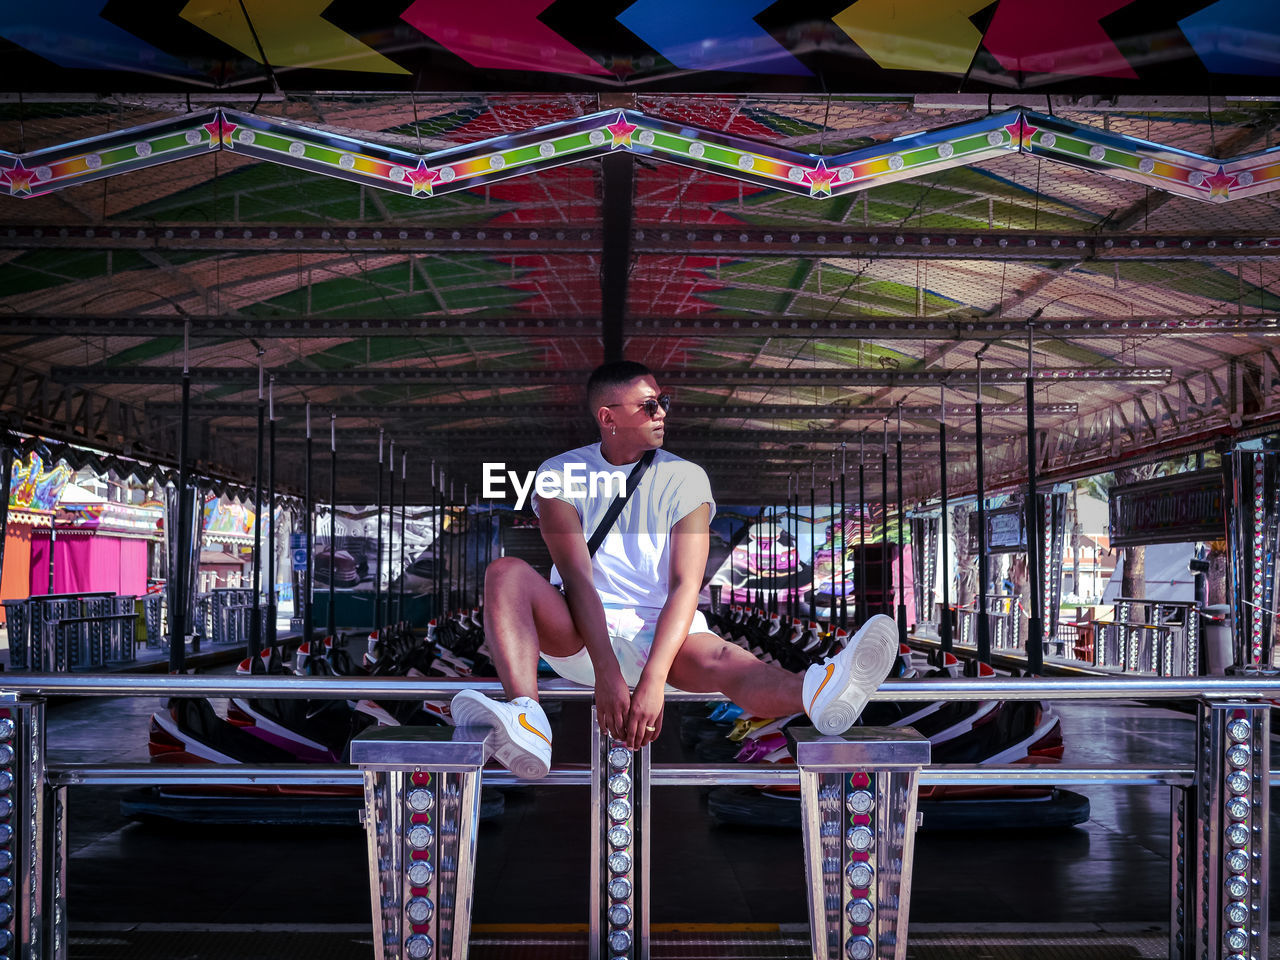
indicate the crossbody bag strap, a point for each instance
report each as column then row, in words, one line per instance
column 615, row 508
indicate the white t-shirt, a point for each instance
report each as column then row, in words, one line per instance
column 631, row 567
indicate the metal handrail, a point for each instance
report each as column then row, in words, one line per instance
column 662, row 774
column 400, row 688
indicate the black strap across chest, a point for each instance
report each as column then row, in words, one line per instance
column 615, row 508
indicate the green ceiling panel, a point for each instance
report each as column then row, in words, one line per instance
column 465, row 283
column 42, row 269
column 264, row 192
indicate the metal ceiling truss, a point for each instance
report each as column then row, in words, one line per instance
column 595, row 135
column 728, row 243
column 747, row 437
column 541, row 411
column 66, row 410
column 813, row 377
column 865, row 327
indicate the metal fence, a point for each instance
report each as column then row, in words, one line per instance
column 1158, row 638
column 60, row 632
column 1219, row 861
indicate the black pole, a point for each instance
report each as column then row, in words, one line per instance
column 944, row 625
column 861, row 607
column 436, row 546
column 377, row 563
column 271, row 514
column 455, row 580
column 1035, row 542
column 844, row 547
column 791, row 516
column 53, row 544
column 6, row 484
column 178, row 615
column 391, row 525
column 813, row 548
column 464, row 549
column 332, row 621
column 255, row 625
column 902, row 522
column 983, row 626
column 475, row 570
column 831, row 521
column 308, row 509
column 404, row 512
column 759, row 565
column 886, row 559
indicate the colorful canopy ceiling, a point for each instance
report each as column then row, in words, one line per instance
column 797, row 269
column 1125, row 46
column 757, row 163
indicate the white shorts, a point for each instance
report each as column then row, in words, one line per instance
column 631, row 635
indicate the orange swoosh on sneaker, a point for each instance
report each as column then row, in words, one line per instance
column 831, row 668
column 532, row 729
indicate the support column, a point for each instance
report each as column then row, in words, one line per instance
column 421, row 814
column 858, row 807
column 1227, row 846
column 619, row 924
column 29, row 926
column 1254, row 528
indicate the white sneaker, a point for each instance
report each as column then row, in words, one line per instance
column 523, row 734
column 836, row 690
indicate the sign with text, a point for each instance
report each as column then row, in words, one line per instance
column 1179, row 509
column 1006, row 530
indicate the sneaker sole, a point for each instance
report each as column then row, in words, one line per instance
column 877, row 647
column 474, row 712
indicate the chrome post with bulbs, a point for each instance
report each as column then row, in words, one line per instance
column 1220, row 847
column 421, row 815
column 33, row 851
column 858, row 810
column 619, row 901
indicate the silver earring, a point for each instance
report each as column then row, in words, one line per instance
column 615, row 430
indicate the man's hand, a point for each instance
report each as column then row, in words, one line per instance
column 613, row 704
column 644, row 720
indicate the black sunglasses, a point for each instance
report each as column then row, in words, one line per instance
column 650, row 405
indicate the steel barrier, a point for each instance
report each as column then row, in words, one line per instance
column 1220, row 814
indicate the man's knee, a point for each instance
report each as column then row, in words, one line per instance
column 503, row 573
column 717, row 657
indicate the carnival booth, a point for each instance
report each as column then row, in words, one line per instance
column 34, row 492
column 98, row 546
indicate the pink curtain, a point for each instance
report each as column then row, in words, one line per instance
column 133, row 567
column 89, row 564
column 103, row 564
column 39, row 572
column 73, row 565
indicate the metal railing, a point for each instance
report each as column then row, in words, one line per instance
column 1160, row 638
column 1212, row 860
column 407, row 688
column 70, row 631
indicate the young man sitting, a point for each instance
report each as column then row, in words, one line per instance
column 625, row 619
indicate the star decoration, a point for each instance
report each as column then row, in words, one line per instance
column 621, row 132
column 220, row 131
column 422, row 179
column 18, row 178
column 1021, row 132
column 819, row 179
column 1220, row 184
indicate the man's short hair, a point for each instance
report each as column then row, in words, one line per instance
column 605, row 377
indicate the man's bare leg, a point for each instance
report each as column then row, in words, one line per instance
column 707, row 664
column 523, row 616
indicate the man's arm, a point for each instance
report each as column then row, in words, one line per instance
column 688, row 563
column 562, row 533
